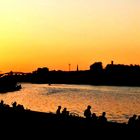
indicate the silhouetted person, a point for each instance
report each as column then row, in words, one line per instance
column 87, row 112
column 65, row 112
column 102, row 118
column 2, row 103
column 14, row 104
column 132, row 121
column 138, row 122
column 58, row 110
column 94, row 117
column 20, row 107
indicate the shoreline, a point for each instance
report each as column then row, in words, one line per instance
column 123, row 117
column 17, row 113
column 16, row 121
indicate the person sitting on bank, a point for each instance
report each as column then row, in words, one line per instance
column 58, row 110
column 87, row 112
column 94, row 117
column 132, row 121
column 102, row 118
column 65, row 112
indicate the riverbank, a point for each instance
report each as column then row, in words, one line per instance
column 17, row 117
column 119, row 103
column 17, row 122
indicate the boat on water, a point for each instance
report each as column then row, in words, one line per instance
column 8, row 84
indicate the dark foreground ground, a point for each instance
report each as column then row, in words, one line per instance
column 26, row 123
column 17, row 122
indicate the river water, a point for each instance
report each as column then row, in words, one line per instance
column 118, row 102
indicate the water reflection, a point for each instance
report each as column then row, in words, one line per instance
column 118, row 102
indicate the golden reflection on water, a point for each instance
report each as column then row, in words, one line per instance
column 118, row 102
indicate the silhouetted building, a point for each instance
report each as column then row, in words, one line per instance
column 69, row 67
column 112, row 62
column 96, row 67
column 77, row 68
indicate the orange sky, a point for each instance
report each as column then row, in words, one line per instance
column 52, row 33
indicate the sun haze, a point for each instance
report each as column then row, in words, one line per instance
column 55, row 33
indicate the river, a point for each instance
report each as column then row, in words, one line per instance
column 118, row 102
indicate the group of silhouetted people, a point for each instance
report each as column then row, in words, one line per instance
column 133, row 122
column 87, row 113
column 64, row 112
column 92, row 116
column 15, row 107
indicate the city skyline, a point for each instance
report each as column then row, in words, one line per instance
column 54, row 34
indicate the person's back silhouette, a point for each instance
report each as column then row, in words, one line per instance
column 138, row 122
column 132, row 121
column 58, row 110
column 94, row 117
column 87, row 112
column 102, row 118
column 65, row 112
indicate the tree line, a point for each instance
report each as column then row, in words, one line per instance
column 112, row 74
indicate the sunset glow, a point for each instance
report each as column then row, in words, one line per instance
column 55, row 33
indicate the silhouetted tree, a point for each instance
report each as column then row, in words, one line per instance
column 41, row 75
column 96, row 67
column 42, row 71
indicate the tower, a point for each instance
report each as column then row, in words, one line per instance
column 112, row 62
column 69, row 67
column 77, row 68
